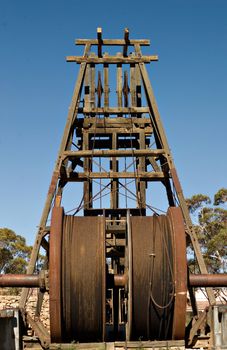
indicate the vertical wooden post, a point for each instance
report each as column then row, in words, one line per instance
column 114, row 199
column 106, row 85
column 87, row 165
column 138, row 86
column 92, row 95
column 142, row 167
column 87, row 88
column 132, row 85
column 119, row 85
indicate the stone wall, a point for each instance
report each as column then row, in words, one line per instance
column 12, row 301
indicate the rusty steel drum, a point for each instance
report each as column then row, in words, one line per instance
column 159, row 277
column 77, row 278
column 156, row 269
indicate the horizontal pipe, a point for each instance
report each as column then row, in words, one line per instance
column 14, row 280
column 208, row 280
column 200, row 280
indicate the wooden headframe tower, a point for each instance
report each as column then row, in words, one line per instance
column 118, row 132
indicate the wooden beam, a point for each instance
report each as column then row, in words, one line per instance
column 121, row 130
column 112, row 122
column 114, row 110
column 114, row 153
column 113, row 42
column 153, row 176
column 86, row 50
column 112, row 59
column 131, row 345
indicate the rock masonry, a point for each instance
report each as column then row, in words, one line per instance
column 12, row 301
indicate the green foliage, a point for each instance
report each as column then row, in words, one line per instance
column 196, row 202
column 220, row 196
column 14, row 253
column 211, row 229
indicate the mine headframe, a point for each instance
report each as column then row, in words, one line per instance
column 115, row 268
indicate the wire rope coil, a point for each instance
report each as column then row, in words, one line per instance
column 159, row 277
column 81, row 286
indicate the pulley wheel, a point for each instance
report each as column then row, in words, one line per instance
column 159, row 276
column 81, row 289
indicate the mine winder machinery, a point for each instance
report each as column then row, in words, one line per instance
column 115, row 267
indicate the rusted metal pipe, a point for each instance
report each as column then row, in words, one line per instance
column 15, row 280
column 116, row 280
column 33, row 281
column 120, row 280
column 208, row 280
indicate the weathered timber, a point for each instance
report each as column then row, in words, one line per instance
column 153, row 176
column 122, row 124
column 113, row 42
column 126, row 38
column 112, row 59
column 114, row 167
column 113, row 110
column 106, row 86
column 139, row 345
column 119, row 88
column 114, row 153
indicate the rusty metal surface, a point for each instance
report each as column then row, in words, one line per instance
column 159, row 276
column 14, row 280
column 208, row 280
column 55, row 274
column 83, row 279
column 152, row 278
column 180, row 272
column 120, row 280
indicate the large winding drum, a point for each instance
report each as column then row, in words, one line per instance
column 155, row 261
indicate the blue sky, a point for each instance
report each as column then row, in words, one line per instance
column 189, row 81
